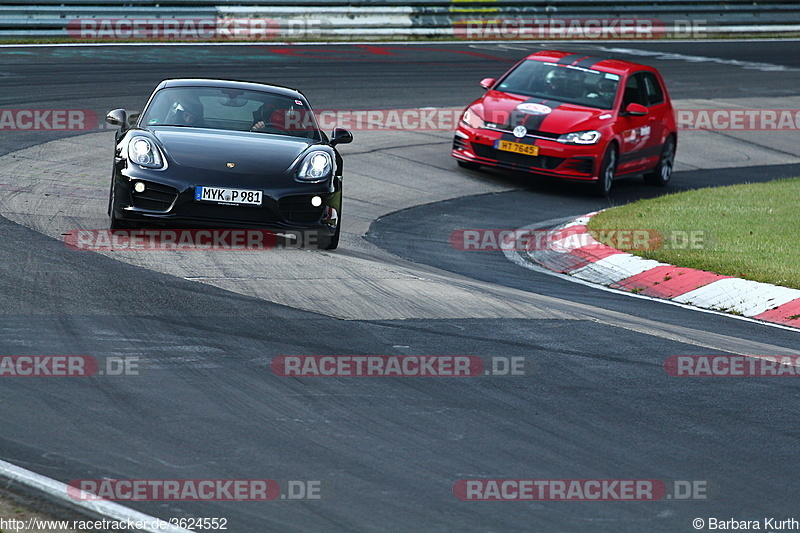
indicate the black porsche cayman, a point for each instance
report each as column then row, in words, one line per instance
column 215, row 153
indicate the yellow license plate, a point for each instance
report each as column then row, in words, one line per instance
column 519, row 148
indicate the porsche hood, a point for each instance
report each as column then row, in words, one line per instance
column 216, row 150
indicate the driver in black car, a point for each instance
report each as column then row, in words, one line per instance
column 189, row 113
column 263, row 118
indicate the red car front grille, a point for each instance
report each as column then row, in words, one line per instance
column 544, row 162
column 582, row 165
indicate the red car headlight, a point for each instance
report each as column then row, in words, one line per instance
column 581, row 137
column 472, row 119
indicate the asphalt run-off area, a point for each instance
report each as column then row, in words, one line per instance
column 459, row 376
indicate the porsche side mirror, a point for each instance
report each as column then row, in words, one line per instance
column 117, row 117
column 635, row 110
column 341, row 136
column 487, row 82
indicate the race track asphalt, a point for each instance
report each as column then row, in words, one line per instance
column 595, row 402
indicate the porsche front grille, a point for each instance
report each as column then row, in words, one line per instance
column 298, row 209
column 156, row 197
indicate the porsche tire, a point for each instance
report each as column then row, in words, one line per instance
column 332, row 242
column 114, row 222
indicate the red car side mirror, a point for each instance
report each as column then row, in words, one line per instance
column 636, row 110
column 487, row 82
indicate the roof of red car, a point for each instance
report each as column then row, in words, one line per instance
column 617, row 66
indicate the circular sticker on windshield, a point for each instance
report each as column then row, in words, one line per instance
column 534, row 109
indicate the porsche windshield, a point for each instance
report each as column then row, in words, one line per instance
column 569, row 84
column 231, row 109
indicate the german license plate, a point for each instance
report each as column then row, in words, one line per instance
column 225, row 196
column 518, row 148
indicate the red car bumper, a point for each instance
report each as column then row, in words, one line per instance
column 556, row 159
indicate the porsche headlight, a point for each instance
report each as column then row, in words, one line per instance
column 581, row 137
column 316, row 166
column 472, row 119
column 142, row 151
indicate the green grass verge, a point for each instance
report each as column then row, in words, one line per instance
column 750, row 231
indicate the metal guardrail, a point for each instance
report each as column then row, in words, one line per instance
column 387, row 19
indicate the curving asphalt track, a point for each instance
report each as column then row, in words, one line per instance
column 595, row 403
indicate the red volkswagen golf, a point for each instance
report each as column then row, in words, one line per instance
column 572, row 116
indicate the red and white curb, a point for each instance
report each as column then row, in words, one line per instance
column 572, row 251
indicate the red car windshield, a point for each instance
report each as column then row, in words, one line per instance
column 563, row 83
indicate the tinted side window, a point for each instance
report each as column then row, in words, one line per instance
column 634, row 91
column 655, row 95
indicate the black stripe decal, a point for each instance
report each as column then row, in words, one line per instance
column 520, row 118
column 535, row 121
column 568, row 60
column 553, row 105
column 530, row 121
column 644, row 152
column 588, row 62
